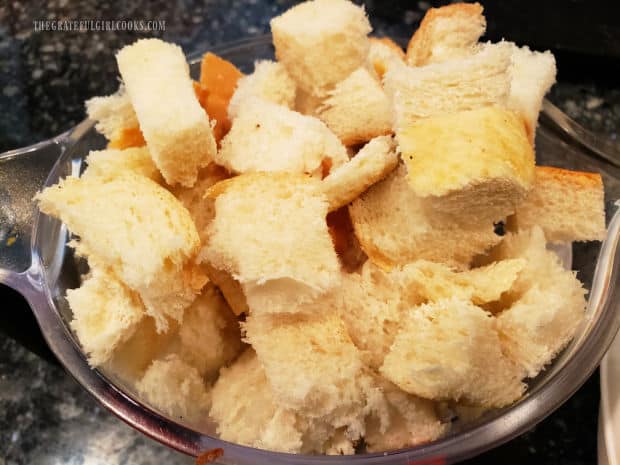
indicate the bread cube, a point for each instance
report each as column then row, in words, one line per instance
column 105, row 314
column 371, row 164
column 567, row 205
column 245, row 411
column 111, row 163
column 176, row 128
column 137, row 229
column 450, row 349
column 468, row 83
column 270, row 137
column 395, row 227
column 269, row 233
column 546, row 304
column 476, row 162
column 269, row 82
column 311, row 364
column 112, row 113
column 451, row 31
column 321, row 42
column 357, row 109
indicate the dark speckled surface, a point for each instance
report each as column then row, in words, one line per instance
column 45, row 417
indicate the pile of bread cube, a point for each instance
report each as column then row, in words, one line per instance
column 348, row 256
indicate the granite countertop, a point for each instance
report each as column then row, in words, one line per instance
column 45, row 417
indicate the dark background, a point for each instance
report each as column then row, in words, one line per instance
column 45, row 417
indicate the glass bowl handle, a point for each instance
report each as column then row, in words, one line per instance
column 22, row 174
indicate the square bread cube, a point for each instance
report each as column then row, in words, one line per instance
column 450, row 350
column 270, row 234
column 321, row 42
column 176, row 128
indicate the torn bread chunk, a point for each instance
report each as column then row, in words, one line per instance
column 321, row 42
column 462, row 84
column 111, row 163
column 382, row 54
column 245, row 411
column 372, row 311
column 105, row 314
column 269, row 82
column 451, row 31
column 376, row 300
column 357, row 109
column 209, row 335
column 270, row 137
column 179, row 137
column 546, row 304
column 478, row 162
column 277, row 246
column 137, row 229
column 403, row 421
column 176, row 388
column 432, row 281
column 567, row 205
column 371, row 164
column 532, row 75
column 450, row 349
column 112, row 113
column 394, row 226
column 312, row 366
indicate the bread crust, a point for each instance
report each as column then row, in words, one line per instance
column 419, row 48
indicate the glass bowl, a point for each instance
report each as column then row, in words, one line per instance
column 39, row 264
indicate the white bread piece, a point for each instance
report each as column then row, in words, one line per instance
column 382, row 54
column 372, row 309
column 209, row 335
column 372, row 163
column 476, row 162
column 176, row 128
column 375, row 299
column 546, row 306
column 136, row 228
column 200, row 209
column 130, row 359
column 434, row 281
column 270, row 137
column 450, row 349
column 175, row 388
column 394, row 226
column 357, row 109
column 294, row 260
column 311, row 363
column 307, row 104
column 405, row 421
column 111, row 163
column 462, row 84
column 105, row 314
column 451, row 31
column 269, row 82
column 532, row 75
column 567, row 205
column 243, row 406
column 321, row 42
column 112, row 113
